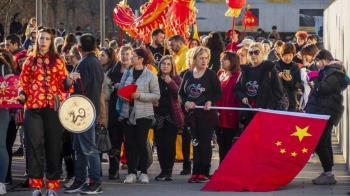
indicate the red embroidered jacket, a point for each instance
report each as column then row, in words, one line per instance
column 41, row 82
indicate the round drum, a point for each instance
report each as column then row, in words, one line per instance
column 77, row 113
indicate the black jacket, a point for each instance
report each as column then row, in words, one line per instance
column 290, row 87
column 90, row 84
column 325, row 97
column 270, row 92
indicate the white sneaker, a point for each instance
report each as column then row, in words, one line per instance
column 130, row 179
column 69, row 183
column 144, row 179
column 2, row 189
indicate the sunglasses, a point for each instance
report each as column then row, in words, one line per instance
column 254, row 52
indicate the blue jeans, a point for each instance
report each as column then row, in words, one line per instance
column 4, row 159
column 87, row 158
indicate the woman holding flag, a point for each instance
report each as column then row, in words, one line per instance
column 201, row 87
column 259, row 85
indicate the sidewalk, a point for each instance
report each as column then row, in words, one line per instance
column 300, row 186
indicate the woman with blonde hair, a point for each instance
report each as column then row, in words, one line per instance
column 259, row 85
column 201, row 87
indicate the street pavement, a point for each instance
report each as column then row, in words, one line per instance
column 300, row 186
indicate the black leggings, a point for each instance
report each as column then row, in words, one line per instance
column 166, row 146
column 68, row 153
column 324, row 148
column 136, row 145
column 116, row 134
column 225, row 138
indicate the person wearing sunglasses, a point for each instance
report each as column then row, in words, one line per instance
column 259, row 85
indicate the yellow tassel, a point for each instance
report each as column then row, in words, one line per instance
column 195, row 31
column 233, row 12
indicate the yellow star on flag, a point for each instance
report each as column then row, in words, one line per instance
column 301, row 133
column 293, row 154
column 278, row 143
column 304, row 150
column 283, row 151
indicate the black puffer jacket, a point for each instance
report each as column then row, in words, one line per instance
column 325, row 97
column 270, row 92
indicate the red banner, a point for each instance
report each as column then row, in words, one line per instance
column 9, row 92
column 272, row 150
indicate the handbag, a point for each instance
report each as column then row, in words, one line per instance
column 103, row 142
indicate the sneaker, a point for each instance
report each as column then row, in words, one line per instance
column 169, row 178
column 130, row 179
column 19, row 152
column 161, row 177
column 144, row 178
column 68, row 182
column 326, row 178
column 93, row 189
column 51, row 193
column 37, row 192
column 193, row 178
column 75, row 187
column 202, row 178
column 2, row 189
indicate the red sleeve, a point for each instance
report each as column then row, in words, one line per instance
column 26, row 77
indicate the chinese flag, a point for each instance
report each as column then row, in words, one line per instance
column 272, row 150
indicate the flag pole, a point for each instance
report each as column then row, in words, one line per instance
column 231, row 108
column 300, row 114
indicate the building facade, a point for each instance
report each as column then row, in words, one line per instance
column 287, row 15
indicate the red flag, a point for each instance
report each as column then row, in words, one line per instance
column 272, row 150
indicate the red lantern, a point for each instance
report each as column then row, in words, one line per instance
column 235, row 7
column 249, row 20
column 236, row 4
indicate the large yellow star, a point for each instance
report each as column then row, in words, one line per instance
column 301, row 133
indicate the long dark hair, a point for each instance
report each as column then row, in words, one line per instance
column 111, row 56
column 234, row 60
column 69, row 41
column 52, row 53
column 215, row 43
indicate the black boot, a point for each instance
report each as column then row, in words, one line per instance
column 186, row 168
column 114, row 161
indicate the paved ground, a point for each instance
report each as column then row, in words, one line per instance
column 300, row 186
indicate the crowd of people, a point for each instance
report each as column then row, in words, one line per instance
column 173, row 76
